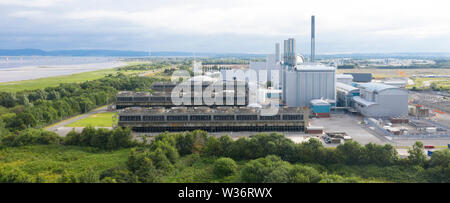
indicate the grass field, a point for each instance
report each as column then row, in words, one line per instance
column 96, row 120
column 42, row 83
column 51, row 161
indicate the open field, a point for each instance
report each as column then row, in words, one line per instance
column 441, row 84
column 386, row 73
column 51, row 161
column 104, row 119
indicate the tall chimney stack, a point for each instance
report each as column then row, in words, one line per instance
column 313, row 38
column 277, row 52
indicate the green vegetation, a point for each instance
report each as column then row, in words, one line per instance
column 274, row 158
column 43, row 83
column 29, row 136
column 234, row 61
column 436, row 84
column 105, row 119
column 37, row 108
column 54, row 163
column 195, row 157
column 101, row 138
column 224, row 167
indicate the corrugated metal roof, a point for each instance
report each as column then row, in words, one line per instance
column 345, row 87
column 376, row 87
column 362, row 101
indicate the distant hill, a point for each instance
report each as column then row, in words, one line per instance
column 38, row 52
column 202, row 54
column 117, row 53
column 418, row 55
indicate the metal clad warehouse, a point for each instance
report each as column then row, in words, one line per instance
column 380, row 100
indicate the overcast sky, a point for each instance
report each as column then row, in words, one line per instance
column 232, row 26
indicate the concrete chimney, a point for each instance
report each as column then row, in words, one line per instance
column 313, row 38
column 277, row 52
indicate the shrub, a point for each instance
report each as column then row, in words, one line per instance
column 31, row 136
column 101, row 138
column 224, row 167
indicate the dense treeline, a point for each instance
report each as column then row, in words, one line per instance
column 27, row 109
column 144, row 66
column 261, row 158
column 274, row 158
column 30, row 136
column 101, row 139
column 234, row 61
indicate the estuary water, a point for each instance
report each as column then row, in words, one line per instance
column 16, row 68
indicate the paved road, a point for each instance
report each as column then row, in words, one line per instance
column 62, row 131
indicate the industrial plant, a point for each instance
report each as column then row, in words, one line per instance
column 299, row 86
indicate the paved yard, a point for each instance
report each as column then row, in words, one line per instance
column 350, row 125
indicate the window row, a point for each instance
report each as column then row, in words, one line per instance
column 209, row 117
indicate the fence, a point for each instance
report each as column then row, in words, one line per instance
column 378, row 127
column 445, row 134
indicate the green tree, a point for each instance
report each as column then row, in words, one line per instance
column 440, row 158
column 262, row 170
column 380, row 155
column 417, row 155
column 351, row 153
column 146, row 173
column 160, row 161
column 304, row 174
column 224, row 167
column 3, row 130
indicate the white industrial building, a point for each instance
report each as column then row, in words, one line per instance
column 270, row 68
column 344, row 78
column 309, row 81
column 380, row 100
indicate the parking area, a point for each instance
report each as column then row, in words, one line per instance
column 350, row 125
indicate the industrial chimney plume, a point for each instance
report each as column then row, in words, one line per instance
column 313, row 38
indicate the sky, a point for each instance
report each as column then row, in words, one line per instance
column 226, row 26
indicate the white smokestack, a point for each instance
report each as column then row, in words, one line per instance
column 313, row 38
column 277, row 52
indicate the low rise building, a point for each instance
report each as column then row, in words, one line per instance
column 345, row 94
column 344, row 78
column 220, row 119
column 320, row 108
column 380, row 100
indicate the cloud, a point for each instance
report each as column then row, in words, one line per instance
column 352, row 22
column 32, row 3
